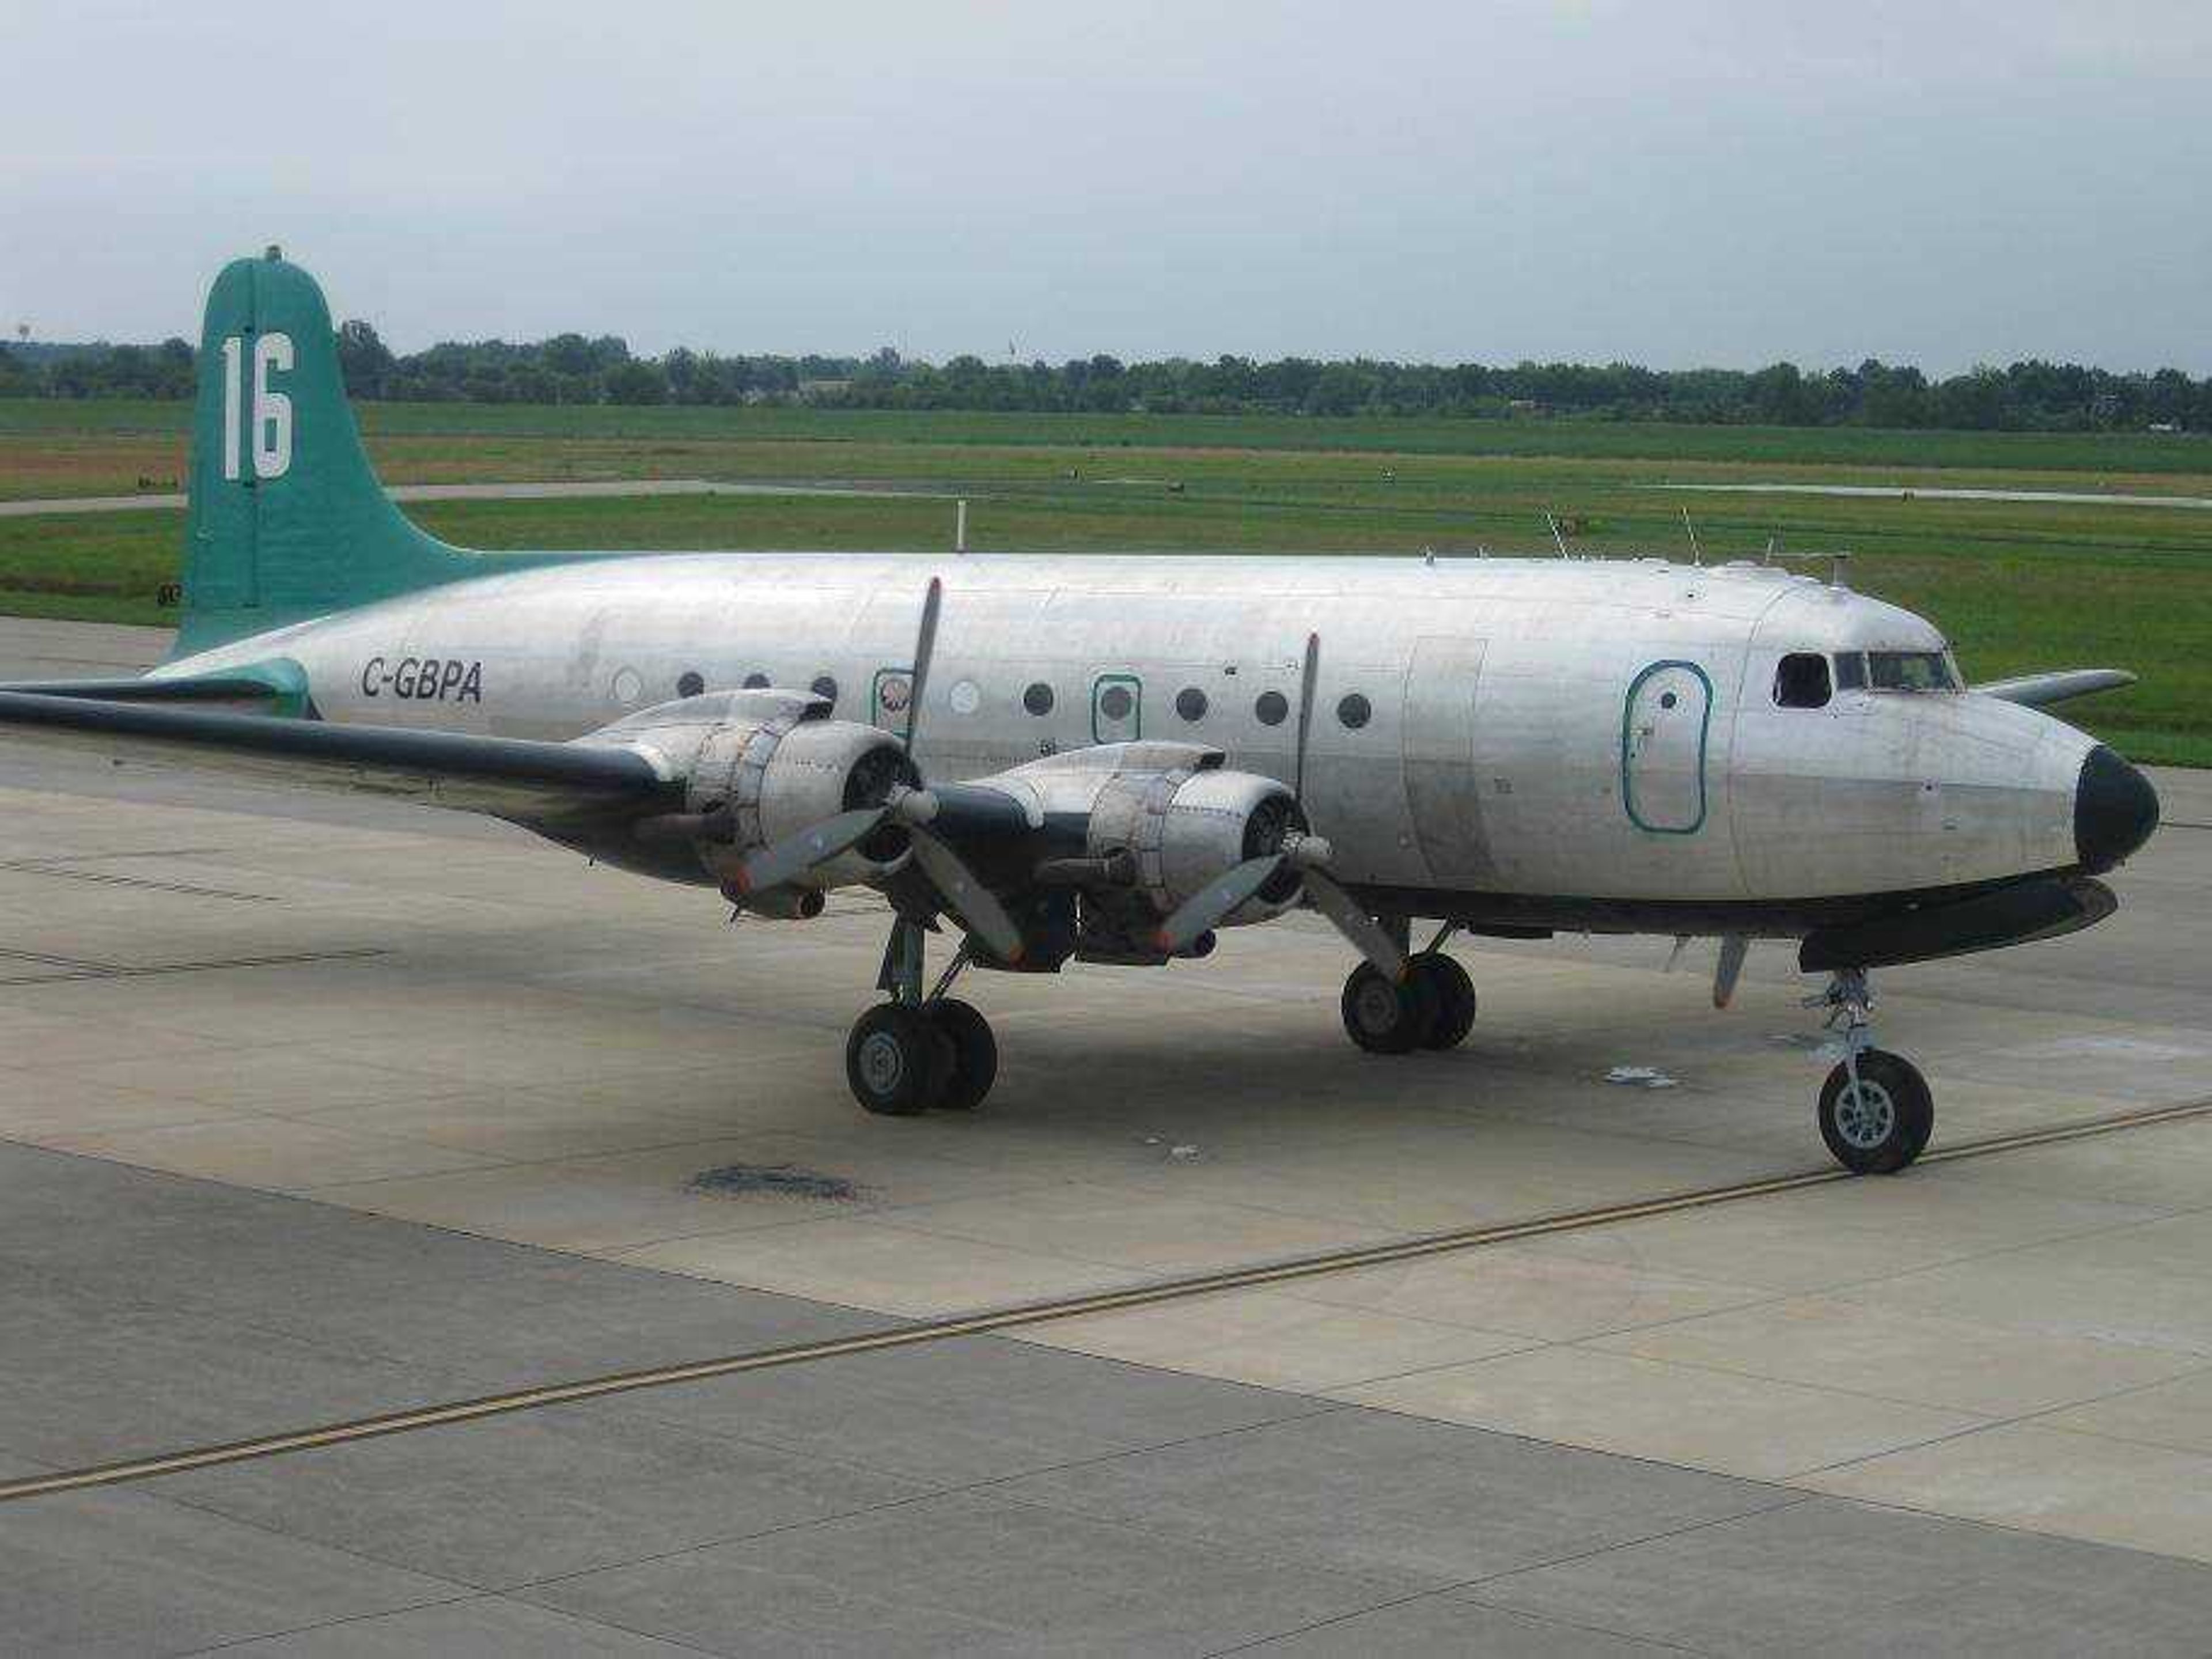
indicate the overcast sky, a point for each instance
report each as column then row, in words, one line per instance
column 1674, row 182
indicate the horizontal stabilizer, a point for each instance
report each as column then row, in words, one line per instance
column 2041, row 690
column 508, row 777
column 278, row 686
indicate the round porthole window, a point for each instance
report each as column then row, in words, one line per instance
column 628, row 686
column 825, row 687
column 1667, row 699
column 966, row 697
column 756, row 682
column 1116, row 703
column 1190, row 703
column 1355, row 711
column 1038, row 699
column 690, row 682
column 1272, row 709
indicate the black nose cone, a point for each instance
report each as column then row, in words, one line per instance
column 2115, row 810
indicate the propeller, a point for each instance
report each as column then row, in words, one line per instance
column 1726, row 969
column 1301, row 851
column 1734, row 947
column 912, row 808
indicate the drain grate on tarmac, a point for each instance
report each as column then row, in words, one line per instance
column 785, row 1180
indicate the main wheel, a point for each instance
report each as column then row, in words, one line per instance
column 1387, row 1018
column 897, row 1061
column 1454, row 993
column 1881, row 1124
column 975, row 1053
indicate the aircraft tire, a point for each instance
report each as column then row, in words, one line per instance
column 1385, row 1018
column 975, row 1053
column 1454, row 998
column 896, row 1060
column 1885, row 1125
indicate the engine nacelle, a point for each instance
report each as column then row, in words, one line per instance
column 1185, row 828
column 774, row 765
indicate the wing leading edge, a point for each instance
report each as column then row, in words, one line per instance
column 507, row 777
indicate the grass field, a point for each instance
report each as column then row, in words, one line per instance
column 2018, row 586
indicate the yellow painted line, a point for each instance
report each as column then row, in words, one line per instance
column 1037, row 1313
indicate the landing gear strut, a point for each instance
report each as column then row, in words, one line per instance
column 1875, row 1110
column 921, row 1049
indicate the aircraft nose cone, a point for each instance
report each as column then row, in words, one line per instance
column 2115, row 810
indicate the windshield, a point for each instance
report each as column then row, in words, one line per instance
column 1910, row 670
column 1897, row 670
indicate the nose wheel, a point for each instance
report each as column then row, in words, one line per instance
column 1875, row 1110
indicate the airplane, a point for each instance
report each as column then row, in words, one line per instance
column 1109, row 758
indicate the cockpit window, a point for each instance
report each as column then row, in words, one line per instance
column 1800, row 681
column 1910, row 671
column 1850, row 671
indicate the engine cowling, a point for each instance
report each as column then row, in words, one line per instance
column 764, row 766
column 1184, row 829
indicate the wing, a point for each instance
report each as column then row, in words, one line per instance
column 507, row 777
column 2041, row 690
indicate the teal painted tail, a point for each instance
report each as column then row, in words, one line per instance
column 287, row 520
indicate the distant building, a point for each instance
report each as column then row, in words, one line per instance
column 816, row 392
column 2166, row 426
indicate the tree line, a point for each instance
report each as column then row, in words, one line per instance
column 572, row 368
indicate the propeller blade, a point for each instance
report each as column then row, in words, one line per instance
column 1734, row 947
column 1352, row 921
column 793, row 856
column 925, row 648
column 1205, row 908
column 975, row 904
column 1305, row 715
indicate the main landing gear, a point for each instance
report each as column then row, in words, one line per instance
column 1433, row 1006
column 1875, row 1111
column 921, row 1048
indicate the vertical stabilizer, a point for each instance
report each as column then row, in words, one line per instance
column 288, row 521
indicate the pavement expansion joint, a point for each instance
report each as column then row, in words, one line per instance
column 68, row 968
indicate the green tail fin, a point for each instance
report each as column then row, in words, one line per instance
column 287, row 520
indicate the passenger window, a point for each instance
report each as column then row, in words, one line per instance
column 1190, row 703
column 1272, row 708
column 690, row 682
column 1850, row 671
column 1800, row 681
column 1355, row 711
column 1038, row 698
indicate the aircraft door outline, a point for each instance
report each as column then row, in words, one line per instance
column 1666, row 721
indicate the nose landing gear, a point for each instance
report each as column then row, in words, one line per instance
column 1875, row 1110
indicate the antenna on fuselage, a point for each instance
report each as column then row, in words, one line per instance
column 960, row 526
column 1697, row 553
column 1557, row 540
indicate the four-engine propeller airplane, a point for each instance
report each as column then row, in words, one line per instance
column 1108, row 759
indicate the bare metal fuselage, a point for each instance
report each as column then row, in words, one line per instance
column 1557, row 740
